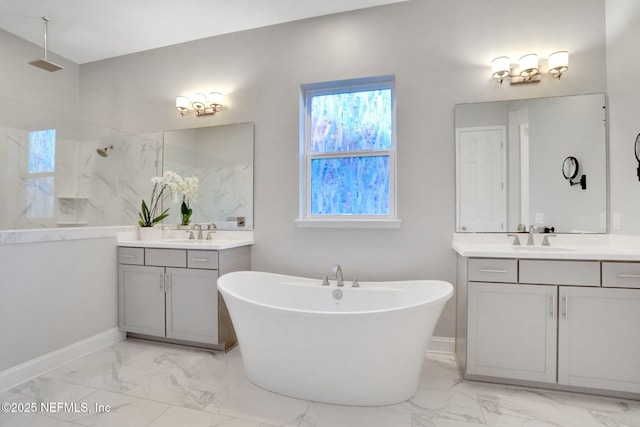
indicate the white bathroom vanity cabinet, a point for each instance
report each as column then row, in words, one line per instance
column 170, row 294
column 553, row 322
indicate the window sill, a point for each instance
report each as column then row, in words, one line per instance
column 348, row 223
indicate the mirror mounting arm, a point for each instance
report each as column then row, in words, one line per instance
column 582, row 182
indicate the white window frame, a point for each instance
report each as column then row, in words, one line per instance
column 28, row 175
column 306, row 219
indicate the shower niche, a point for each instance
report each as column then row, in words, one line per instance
column 72, row 211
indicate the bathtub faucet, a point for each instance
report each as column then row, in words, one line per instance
column 337, row 273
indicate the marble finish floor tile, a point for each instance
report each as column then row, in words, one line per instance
column 177, row 416
column 157, row 385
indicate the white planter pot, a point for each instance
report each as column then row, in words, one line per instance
column 150, row 233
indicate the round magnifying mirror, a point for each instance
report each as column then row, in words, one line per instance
column 637, row 148
column 570, row 167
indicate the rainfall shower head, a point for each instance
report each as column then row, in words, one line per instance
column 104, row 152
column 44, row 63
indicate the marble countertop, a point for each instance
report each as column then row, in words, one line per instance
column 572, row 247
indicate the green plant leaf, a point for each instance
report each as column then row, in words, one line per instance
column 160, row 217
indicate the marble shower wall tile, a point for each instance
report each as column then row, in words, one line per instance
column 117, row 184
column 85, row 188
column 223, row 192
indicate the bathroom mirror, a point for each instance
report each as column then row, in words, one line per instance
column 221, row 157
column 507, row 158
column 570, row 168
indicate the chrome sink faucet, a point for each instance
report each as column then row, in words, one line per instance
column 199, row 228
column 337, row 273
column 530, row 241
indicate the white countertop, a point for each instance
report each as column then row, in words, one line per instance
column 574, row 247
column 220, row 240
column 213, row 244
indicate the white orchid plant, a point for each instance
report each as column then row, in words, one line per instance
column 175, row 183
column 189, row 188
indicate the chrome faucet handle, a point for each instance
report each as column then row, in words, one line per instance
column 355, row 283
column 325, row 279
column 191, row 235
column 545, row 240
column 530, row 240
column 212, row 226
column 209, row 235
column 516, row 239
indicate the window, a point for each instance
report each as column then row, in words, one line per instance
column 348, row 153
column 40, row 178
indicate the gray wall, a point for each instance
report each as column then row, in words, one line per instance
column 623, row 87
column 440, row 53
column 55, row 294
column 29, row 85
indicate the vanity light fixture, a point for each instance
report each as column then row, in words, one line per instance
column 558, row 63
column 501, row 68
column 199, row 103
column 528, row 68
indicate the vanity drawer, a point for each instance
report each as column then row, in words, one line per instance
column 166, row 257
column 621, row 274
column 493, row 270
column 545, row 272
column 133, row 256
column 202, row 259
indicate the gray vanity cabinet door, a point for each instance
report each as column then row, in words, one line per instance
column 192, row 305
column 141, row 297
column 512, row 331
column 599, row 343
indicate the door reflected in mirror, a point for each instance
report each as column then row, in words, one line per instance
column 507, row 157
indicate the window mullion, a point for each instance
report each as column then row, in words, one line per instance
column 344, row 154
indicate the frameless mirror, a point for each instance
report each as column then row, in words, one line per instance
column 507, row 159
column 221, row 157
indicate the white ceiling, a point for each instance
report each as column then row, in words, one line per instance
column 89, row 30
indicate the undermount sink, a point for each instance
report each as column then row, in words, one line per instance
column 541, row 249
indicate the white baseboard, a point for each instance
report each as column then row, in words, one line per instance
column 442, row 345
column 12, row 377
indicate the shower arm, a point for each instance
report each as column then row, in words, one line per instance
column 46, row 29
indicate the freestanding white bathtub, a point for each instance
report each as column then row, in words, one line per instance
column 364, row 347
